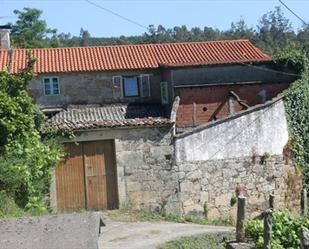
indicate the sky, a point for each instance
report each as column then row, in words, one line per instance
column 71, row 15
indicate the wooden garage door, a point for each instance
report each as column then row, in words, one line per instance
column 87, row 178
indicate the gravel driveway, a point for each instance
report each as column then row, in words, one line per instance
column 149, row 235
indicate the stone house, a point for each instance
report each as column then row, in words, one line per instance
column 133, row 108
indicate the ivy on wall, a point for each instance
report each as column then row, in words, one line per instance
column 297, row 108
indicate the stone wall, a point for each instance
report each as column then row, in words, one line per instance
column 147, row 178
column 215, row 182
column 90, row 88
column 244, row 151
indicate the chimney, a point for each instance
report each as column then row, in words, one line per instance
column 5, row 36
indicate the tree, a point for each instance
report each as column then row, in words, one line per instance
column 84, row 37
column 303, row 38
column 30, row 31
column 240, row 30
column 25, row 157
column 274, row 31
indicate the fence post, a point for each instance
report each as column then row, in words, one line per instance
column 272, row 201
column 268, row 222
column 240, row 224
column 304, row 202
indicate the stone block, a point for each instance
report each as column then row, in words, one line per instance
column 239, row 245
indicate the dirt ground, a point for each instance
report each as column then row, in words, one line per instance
column 149, row 235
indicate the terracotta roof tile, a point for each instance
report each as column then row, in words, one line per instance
column 126, row 57
column 113, row 115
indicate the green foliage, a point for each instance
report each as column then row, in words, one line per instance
column 233, row 200
column 8, row 207
column 286, row 228
column 297, row 106
column 292, row 57
column 25, row 158
column 35, row 207
column 265, row 158
column 198, row 242
column 30, row 31
column 205, row 210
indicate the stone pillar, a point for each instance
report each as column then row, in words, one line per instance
column 268, row 222
column 240, row 224
column 304, row 238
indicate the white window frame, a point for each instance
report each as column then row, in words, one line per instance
column 51, row 86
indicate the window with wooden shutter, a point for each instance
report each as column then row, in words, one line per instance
column 164, row 92
column 145, row 85
column 117, row 87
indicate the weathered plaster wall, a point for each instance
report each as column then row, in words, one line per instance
column 146, row 175
column 214, row 159
column 90, row 88
column 256, row 131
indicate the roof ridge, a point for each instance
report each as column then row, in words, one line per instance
column 137, row 45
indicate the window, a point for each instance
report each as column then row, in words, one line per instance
column 130, row 87
column 51, row 86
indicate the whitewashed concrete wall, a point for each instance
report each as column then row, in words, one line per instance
column 260, row 130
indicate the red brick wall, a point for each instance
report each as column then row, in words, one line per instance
column 214, row 98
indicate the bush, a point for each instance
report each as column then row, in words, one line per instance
column 26, row 158
column 286, row 228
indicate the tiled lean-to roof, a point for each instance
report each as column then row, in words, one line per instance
column 107, row 116
column 126, row 57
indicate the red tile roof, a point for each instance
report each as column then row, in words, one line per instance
column 126, row 57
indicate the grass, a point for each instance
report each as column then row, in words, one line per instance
column 9, row 209
column 198, row 242
column 138, row 215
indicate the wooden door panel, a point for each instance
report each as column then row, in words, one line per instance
column 87, row 178
column 70, row 181
column 111, row 175
column 95, row 174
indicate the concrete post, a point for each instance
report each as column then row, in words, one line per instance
column 304, row 202
column 268, row 222
column 272, row 201
column 240, row 225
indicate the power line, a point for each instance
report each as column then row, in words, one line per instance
column 304, row 22
column 118, row 15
